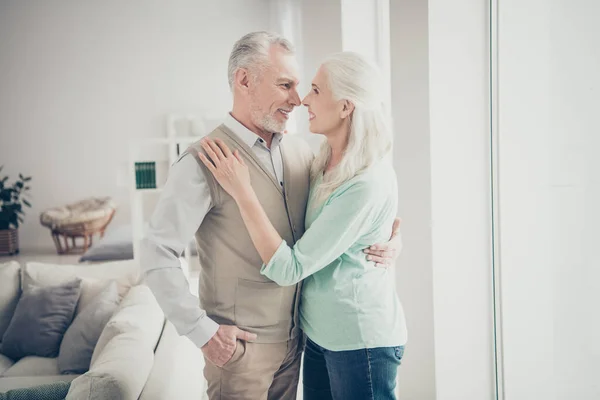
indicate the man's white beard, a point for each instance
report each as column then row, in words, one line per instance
column 270, row 124
column 267, row 122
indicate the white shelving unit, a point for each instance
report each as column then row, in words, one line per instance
column 174, row 141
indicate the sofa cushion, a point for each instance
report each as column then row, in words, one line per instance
column 41, row 318
column 33, row 366
column 10, row 291
column 5, row 363
column 51, row 391
column 16, row 382
column 138, row 313
column 95, row 277
column 81, row 337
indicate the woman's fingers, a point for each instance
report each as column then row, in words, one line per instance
column 223, row 147
column 207, row 162
column 239, row 158
column 217, row 150
column 211, row 153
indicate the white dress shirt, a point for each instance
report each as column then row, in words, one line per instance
column 183, row 204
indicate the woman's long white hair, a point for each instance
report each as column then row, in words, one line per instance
column 351, row 77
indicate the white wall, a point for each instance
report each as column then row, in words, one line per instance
column 79, row 79
column 549, row 195
column 358, row 31
column 461, row 199
column 410, row 111
column 321, row 35
column 525, row 217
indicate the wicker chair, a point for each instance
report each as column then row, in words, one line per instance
column 83, row 220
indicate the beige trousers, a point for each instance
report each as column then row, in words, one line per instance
column 257, row 372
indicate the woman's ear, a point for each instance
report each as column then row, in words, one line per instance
column 347, row 109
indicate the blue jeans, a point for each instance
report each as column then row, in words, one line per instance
column 356, row 374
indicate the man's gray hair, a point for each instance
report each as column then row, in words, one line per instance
column 252, row 51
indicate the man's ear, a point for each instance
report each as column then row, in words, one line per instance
column 241, row 79
column 347, row 108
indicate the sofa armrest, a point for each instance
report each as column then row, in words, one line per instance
column 124, row 354
column 177, row 372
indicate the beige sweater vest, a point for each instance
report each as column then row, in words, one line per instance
column 231, row 288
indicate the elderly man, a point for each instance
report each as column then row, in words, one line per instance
column 245, row 324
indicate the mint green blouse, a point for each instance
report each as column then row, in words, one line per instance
column 347, row 302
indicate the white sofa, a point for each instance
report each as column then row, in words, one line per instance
column 139, row 355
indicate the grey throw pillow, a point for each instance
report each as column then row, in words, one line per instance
column 81, row 337
column 41, row 318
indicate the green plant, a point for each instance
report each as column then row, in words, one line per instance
column 12, row 199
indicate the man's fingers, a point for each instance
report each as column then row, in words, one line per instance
column 378, row 247
column 380, row 260
column 380, row 253
column 220, row 361
column 246, row 336
column 396, row 225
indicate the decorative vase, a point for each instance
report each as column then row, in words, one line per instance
column 9, row 241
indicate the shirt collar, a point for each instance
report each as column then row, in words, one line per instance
column 248, row 137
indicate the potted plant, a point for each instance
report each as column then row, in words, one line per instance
column 12, row 200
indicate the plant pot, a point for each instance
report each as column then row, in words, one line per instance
column 9, row 241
